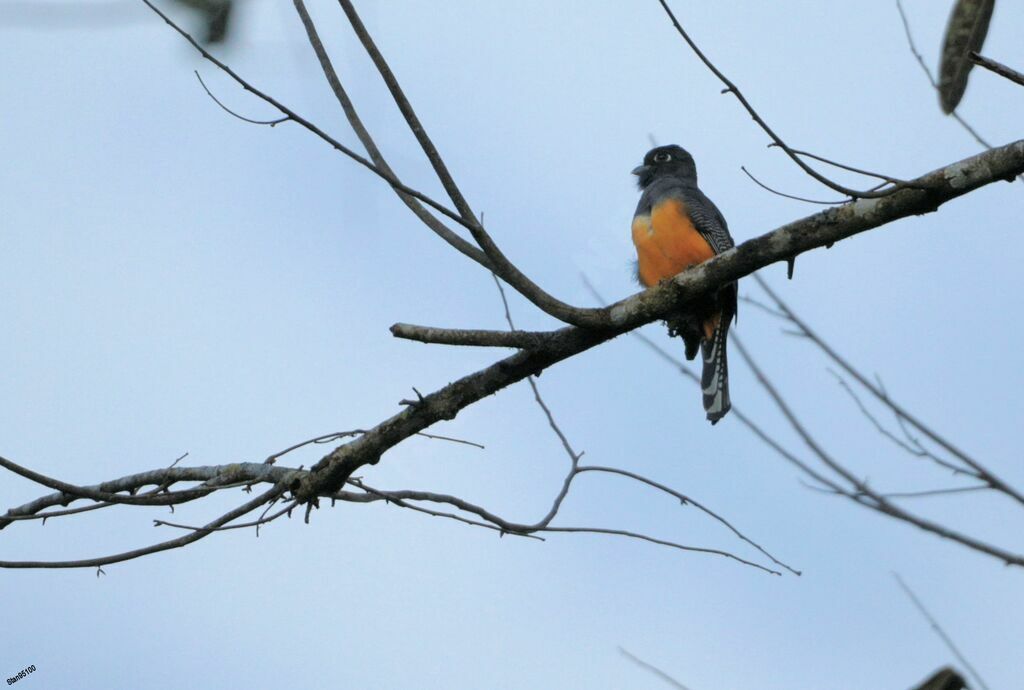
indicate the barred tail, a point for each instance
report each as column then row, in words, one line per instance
column 714, row 380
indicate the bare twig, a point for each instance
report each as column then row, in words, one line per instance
column 196, row 535
column 858, row 491
column 687, row 500
column 243, row 118
column 436, row 226
column 299, row 120
column 939, row 631
column 653, row 669
column 997, row 67
column 470, row 337
column 70, row 492
column 405, row 107
column 911, row 446
column 730, row 87
column 452, row 440
column 263, row 520
column 762, row 185
column 844, row 166
column 979, row 470
column 325, row 438
column 500, row 264
column 214, row 478
column 937, row 492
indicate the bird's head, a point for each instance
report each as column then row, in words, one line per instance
column 666, row 161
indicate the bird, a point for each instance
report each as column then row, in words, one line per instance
column 676, row 226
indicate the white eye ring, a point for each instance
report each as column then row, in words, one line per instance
column 662, row 158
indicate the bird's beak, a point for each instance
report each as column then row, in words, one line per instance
column 640, row 169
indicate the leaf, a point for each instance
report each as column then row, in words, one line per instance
column 968, row 26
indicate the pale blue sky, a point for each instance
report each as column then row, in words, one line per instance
column 172, row 279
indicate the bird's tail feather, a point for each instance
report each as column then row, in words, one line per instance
column 714, row 380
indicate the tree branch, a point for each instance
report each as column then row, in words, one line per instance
column 976, row 468
column 479, row 338
column 997, row 67
column 198, row 534
column 497, row 261
column 946, row 639
column 859, row 491
column 439, row 228
column 298, row 119
column 730, row 87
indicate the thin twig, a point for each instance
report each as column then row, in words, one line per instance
column 401, row 498
column 70, row 491
column 762, row 185
column 997, row 67
column 915, row 449
column 228, row 110
column 435, row 225
column 452, row 440
column 214, row 478
column 734, row 90
column 661, row 542
column 850, row 168
column 653, row 669
column 676, row 363
column 981, row 472
column 860, row 492
column 201, row 533
column 262, row 520
column 939, row 631
column 937, row 492
column 500, row 264
column 687, row 500
column 405, row 107
column 324, row 438
column 298, row 119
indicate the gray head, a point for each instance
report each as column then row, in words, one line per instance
column 666, row 161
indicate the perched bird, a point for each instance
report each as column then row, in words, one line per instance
column 675, row 226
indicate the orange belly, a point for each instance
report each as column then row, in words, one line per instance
column 667, row 242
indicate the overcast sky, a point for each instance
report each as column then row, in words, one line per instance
column 174, row 280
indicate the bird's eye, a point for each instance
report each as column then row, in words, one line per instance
column 662, row 158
